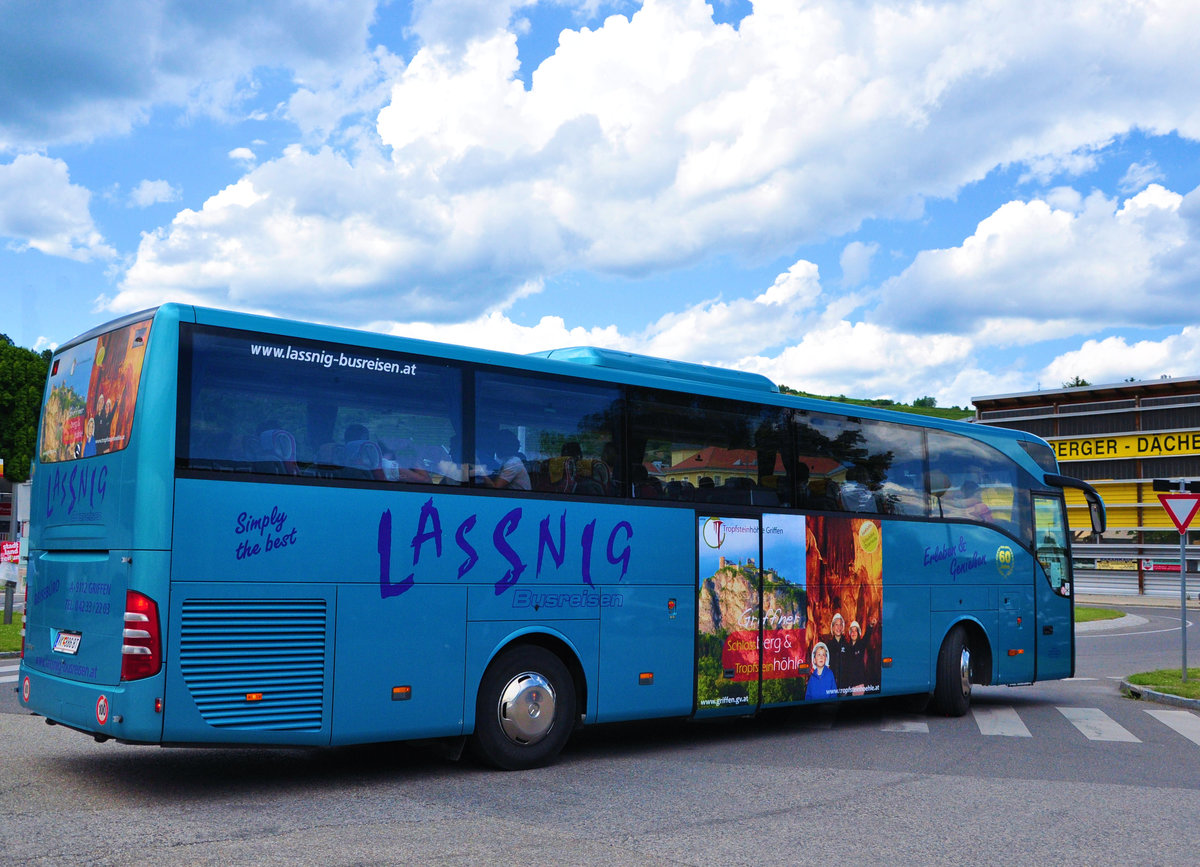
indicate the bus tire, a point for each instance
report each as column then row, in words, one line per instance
column 952, row 692
column 525, row 709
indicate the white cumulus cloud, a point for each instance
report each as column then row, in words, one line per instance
column 78, row 70
column 1035, row 270
column 41, row 209
column 1116, row 359
column 149, row 193
column 661, row 138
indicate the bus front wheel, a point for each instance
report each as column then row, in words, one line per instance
column 524, row 710
column 952, row 693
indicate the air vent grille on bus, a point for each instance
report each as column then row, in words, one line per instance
column 255, row 664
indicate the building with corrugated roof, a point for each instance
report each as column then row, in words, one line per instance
column 1120, row 438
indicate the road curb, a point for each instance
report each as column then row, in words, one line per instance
column 1113, row 623
column 1140, row 692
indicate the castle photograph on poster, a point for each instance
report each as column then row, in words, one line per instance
column 787, row 610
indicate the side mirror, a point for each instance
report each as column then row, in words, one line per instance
column 1096, row 512
column 1095, row 505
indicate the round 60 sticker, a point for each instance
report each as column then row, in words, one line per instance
column 1004, row 560
column 25, row 690
column 102, row 709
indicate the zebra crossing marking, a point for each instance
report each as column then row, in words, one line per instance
column 1091, row 722
column 904, row 723
column 1096, row 725
column 1000, row 721
column 5, row 676
column 1184, row 722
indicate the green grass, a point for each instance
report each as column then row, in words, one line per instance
column 1170, row 681
column 951, row 412
column 1084, row 614
column 10, row 634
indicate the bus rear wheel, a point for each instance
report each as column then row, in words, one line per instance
column 952, row 693
column 525, row 709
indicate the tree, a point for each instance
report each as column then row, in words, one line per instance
column 1077, row 382
column 22, row 377
column 926, row 401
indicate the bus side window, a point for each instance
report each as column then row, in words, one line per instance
column 564, row 434
column 696, row 449
column 860, row 465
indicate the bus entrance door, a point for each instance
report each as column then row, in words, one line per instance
column 750, row 643
column 1055, row 606
column 729, row 615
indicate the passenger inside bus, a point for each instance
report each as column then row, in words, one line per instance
column 401, row 463
column 512, row 473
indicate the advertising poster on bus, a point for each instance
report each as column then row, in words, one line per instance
column 728, row 609
column 93, row 391
column 845, row 604
column 785, row 662
column 752, row 614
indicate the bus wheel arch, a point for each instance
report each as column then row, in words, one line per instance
column 528, row 702
column 965, row 658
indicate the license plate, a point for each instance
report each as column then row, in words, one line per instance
column 67, row 642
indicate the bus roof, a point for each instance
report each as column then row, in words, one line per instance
column 590, row 363
column 614, row 359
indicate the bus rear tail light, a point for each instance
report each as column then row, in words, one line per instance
column 141, row 645
column 24, row 620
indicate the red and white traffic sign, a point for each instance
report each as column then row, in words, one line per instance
column 1182, row 508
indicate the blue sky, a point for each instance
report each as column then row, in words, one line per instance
column 864, row 198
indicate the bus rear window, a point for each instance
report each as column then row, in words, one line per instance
column 91, row 395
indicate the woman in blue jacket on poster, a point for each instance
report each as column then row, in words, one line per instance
column 820, row 681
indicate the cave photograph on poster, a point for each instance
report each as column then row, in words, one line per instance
column 845, row 602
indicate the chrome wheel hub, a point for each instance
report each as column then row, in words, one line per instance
column 526, row 708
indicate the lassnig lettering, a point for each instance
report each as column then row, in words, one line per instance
column 428, row 534
column 80, row 486
column 325, row 358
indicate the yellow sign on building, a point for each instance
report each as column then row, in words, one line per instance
column 1149, row 445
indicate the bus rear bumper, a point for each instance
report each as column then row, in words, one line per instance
column 130, row 711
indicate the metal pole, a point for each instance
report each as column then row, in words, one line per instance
column 1183, row 587
column 1183, row 597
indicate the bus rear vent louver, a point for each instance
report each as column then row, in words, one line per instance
column 255, row 664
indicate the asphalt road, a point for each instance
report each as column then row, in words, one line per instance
column 1066, row 771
